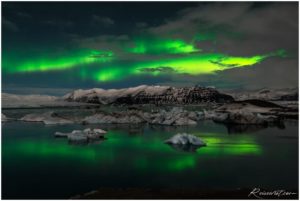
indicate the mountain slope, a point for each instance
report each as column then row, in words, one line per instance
column 289, row 94
column 148, row 95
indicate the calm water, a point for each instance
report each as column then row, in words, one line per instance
column 37, row 165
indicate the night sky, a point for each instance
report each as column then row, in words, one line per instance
column 52, row 47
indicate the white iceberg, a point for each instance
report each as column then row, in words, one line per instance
column 83, row 135
column 185, row 139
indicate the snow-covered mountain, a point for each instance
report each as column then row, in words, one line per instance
column 98, row 95
column 148, row 94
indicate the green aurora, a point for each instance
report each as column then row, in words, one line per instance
column 162, row 46
column 46, row 63
column 161, row 56
column 192, row 64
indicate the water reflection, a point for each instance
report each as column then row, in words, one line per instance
column 185, row 147
column 143, row 159
column 89, row 141
column 239, row 128
column 117, row 145
column 249, row 128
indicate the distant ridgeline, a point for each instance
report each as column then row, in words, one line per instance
column 149, row 95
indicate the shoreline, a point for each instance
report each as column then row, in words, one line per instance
column 175, row 193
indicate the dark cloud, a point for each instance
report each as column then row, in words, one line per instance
column 59, row 23
column 9, row 25
column 141, row 24
column 24, row 15
column 238, row 28
column 103, row 42
column 102, row 20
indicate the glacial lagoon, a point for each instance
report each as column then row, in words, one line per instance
column 36, row 165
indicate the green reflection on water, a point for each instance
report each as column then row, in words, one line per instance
column 239, row 145
column 182, row 163
column 44, row 148
column 140, row 152
column 231, row 150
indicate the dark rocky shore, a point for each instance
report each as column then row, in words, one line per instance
column 190, row 193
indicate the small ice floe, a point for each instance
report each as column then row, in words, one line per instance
column 185, row 142
column 77, row 136
column 83, row 136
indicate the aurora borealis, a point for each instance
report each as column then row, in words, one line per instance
column 175, row 46
column 107, row 67
column 83, row 57
column 98, row 45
